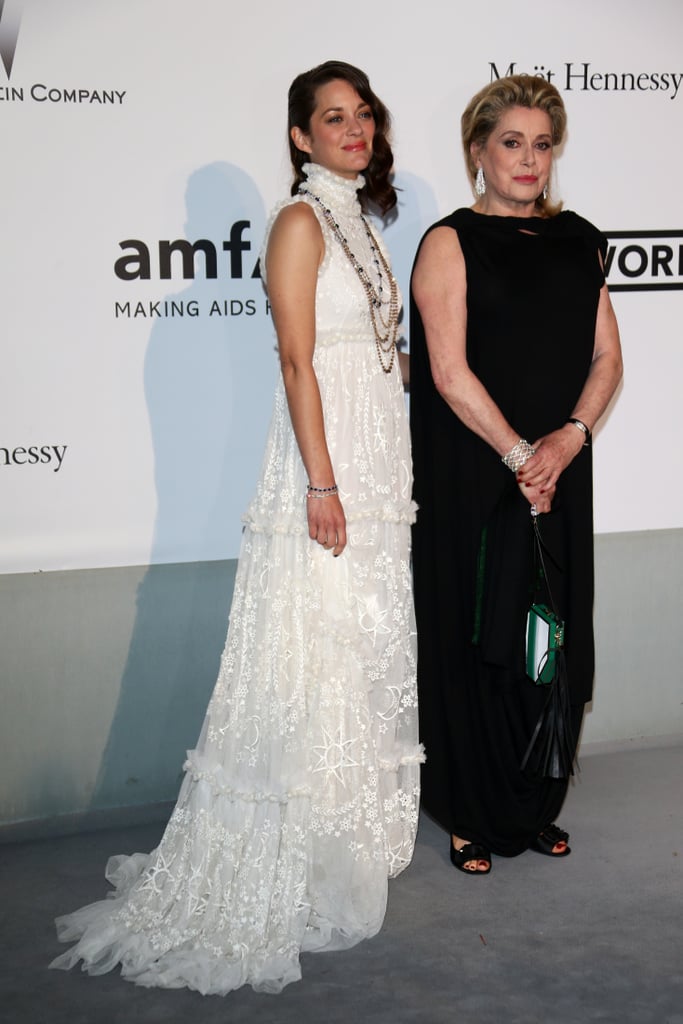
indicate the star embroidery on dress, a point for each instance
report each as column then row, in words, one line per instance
column 333, row 755
column 397, row 858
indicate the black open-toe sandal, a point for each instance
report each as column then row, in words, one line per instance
column 547, row 839
column 470, row 851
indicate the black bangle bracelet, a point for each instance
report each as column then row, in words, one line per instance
column 587, row 436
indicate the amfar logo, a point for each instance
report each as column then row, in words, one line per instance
column 139, row 263
column 639, row 261
column 143, row 262
column 10, row 18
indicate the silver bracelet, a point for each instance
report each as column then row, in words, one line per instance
column 580, row 425
column 518, row 455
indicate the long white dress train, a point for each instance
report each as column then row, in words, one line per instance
column 301, row 797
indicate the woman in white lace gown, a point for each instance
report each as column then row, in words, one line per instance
column 300, row 799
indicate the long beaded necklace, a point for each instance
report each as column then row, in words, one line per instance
column 385, row 331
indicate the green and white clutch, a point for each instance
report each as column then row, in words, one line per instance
column 544, row 641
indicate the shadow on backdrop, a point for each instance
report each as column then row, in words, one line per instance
column 209, row 382
column 417, row 210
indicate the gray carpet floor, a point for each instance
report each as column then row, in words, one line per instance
column 593, row 937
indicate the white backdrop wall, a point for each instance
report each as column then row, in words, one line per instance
column 136, row 386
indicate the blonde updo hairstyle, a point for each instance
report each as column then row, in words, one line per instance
column 485, row 110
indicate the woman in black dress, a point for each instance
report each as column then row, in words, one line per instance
column 514, row 357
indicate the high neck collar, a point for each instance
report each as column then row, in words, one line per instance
column 337, row 192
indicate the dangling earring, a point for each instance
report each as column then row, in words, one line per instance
column 545, row 191
column 480, row 182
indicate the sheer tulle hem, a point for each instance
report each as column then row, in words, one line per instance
column 104, row 942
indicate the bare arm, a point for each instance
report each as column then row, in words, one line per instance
column 439, row 287
column 295, row 250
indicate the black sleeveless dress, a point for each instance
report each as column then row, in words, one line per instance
column 533, row 286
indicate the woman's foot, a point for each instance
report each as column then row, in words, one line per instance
column 470, row 858
column 552, row 842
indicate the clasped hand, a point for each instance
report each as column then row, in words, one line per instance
column 537, row 479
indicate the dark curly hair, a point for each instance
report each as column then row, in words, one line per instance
column 486, row 108
column 301, row 103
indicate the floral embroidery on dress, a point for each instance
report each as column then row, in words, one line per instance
column 301, row 797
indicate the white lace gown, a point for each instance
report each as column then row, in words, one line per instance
column 301, row 797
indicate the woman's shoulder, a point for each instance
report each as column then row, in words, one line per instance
column 292, row 223
column 295, row 211
column 568, row 224
column 456, row 221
